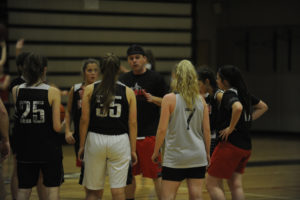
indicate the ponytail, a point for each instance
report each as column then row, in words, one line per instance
column 107, row 87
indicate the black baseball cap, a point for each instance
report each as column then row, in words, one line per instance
column 135, row 49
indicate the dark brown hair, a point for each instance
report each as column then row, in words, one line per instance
column 107, row 87
column 33, row 68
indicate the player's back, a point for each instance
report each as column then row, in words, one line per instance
column 36, row 140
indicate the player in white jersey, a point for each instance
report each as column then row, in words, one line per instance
column 184, row 126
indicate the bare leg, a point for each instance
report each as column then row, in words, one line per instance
column 92, row 194
column 169, row 189
column 41, row 188
column 118, row 193
column 14, row 180
column 52, row 193
column 99, row 193
column 130, row 189
column 157, row 184
column 2, row 188
column 24, row 194
column 215, row 188
column 236, row 186
column 195, row 188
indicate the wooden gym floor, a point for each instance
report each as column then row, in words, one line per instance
column 273, row 172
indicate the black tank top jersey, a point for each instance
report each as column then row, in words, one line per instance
column 36, row 140
column 115, row 121
column 147, row 113
column 213, row 109
column 240, row 137
column 76, row 106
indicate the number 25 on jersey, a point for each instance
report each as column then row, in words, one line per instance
column 31, row 112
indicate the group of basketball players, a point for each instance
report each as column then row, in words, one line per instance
column 122, row 122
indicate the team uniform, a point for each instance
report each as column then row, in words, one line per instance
column 147, row 117
column 107, row 147
column 76, row 114
column 213, row 109
column 38, row 147
column 232, row 155
column 185, row 154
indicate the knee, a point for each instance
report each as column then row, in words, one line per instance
column 195, row 195
column 116, row 192
column 167, row 197
column 99, row 193
column 235, row 185
column 209, row 184
column 92, row 193
column 24, row 193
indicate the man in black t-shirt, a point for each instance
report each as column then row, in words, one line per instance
column 149, row 87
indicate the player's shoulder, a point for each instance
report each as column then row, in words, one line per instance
column 169, row 96
column 53, row 89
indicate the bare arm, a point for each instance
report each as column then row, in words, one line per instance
column 4, row 125
column 237, row 109
column 206, row 129
column 167, row 107
column 14, row 93
column 68, row 134
column 55, row 100
column 259, row 110
column 5, row 84
column 153, row 99
column 3, row 55
column 85, row 117
column 19, row 46
column 132, row 123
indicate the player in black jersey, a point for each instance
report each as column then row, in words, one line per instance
column 37, row 121
column 213, row 96
column 108, row 117
column 20, row 59
column 237, row 110
column 149, row 88
column 90, row 72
